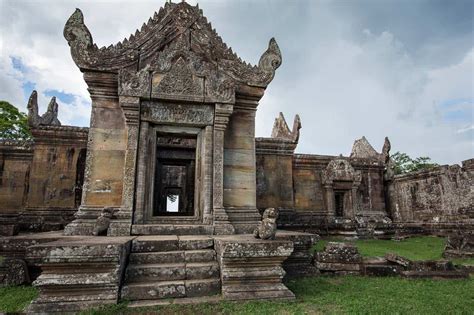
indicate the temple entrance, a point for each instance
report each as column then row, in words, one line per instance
column 339, row 203
column 174, row 175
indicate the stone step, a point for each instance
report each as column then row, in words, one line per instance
column 171, row 289
column 155, row 272
column 169, row 272
column 163, row 243
column 200, row 255
column 157, row 257
column 186, row 300
column 202, row 270
column 191, row 256
column 171, row 229
column 154, row 290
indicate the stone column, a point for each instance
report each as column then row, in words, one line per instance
column 222, row 224
column 206, row 171
column 106, row 147
column 330, row 199
column 122, row 221
column 240, row 183
column 353, row 209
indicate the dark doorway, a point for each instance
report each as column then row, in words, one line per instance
column 339, row 203
column 174, row 176
column 80, row 169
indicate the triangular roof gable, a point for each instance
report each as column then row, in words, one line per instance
column 178, row 28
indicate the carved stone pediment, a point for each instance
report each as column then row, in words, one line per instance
column 179, row 44
column 178, row 82
column 340, row 169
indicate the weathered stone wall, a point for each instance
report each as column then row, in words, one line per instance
column 296, row 185
column 441, row 194
column 55, row 181
column 15, row 163
column 41, row 183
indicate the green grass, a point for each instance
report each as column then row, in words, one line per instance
column 341, row 295
column 15, row 299
column 414, row 248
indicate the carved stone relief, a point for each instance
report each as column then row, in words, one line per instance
column 169, row 113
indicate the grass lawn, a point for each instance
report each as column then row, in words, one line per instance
column 341, row 295
column 414, row 248
column 15, row 299
column 327, row 295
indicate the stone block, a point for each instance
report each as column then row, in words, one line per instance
column 13, row 271
column 152, row 291
column 193, row 242
column 202, row 270
column 79, row 272
column 157, row 243
column 157, row 257
column 252, row 268
column 196, row 256
column 203, row 287
column 156, row 272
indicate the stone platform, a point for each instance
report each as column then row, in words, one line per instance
column 81, row 272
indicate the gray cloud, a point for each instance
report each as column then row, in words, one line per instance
column 350, row 68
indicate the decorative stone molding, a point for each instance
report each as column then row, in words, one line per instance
column 176, row 31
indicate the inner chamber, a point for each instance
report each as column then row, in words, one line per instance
column 174, row 175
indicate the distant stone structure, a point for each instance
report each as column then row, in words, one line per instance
column 165, row 188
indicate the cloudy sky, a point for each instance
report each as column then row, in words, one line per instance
column 402, row 69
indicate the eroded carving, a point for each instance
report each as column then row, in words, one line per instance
column 49, row 118
column 282, row 131
column 266, row 229
column 172, row 113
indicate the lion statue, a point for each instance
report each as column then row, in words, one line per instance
column 266, row 230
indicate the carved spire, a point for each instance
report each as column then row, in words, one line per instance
column 386, row 150
column 282, row 131
column 49, row 118
column 363, row 149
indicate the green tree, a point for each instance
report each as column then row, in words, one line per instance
column 405, row 164
column 13, row 123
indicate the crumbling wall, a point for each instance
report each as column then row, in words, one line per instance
column 441, row 194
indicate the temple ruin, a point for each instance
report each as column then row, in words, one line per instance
column 159, row 197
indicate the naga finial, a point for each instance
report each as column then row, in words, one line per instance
column 270, row 60
column 282, row 131
column 79, row 38
column 49, row 118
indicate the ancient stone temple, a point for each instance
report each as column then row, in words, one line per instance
column 171, row 141
column 159, row 198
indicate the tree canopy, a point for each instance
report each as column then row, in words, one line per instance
column 405, row 164
column 13, row 123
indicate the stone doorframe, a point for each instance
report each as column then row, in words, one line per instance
column 340, row 175
column 146, row 170
column 209, row 206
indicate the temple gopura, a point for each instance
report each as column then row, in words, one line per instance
column 159, row 197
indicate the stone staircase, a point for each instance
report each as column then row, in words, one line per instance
column 167, row 268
